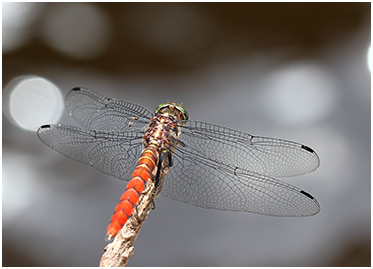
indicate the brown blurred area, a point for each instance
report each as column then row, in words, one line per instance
column 168, row 40
column 213, row 32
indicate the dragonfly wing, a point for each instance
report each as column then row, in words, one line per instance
column 202, row 182
column 112, row 153
column 268, row 156
column 97, row 112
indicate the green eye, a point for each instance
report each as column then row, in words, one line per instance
column 182, row 110
column 160, row 107
column 171, row 106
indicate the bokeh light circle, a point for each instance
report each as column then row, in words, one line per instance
column 369, row 58
column 30, row 101
column 79, row 30
column 17, row 23
column 299, row 94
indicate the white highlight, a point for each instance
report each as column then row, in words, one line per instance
column 369, row 56
column 78, row 30
column 299, row 94
column 17, row 21
column 18, row 185
column 31, row 101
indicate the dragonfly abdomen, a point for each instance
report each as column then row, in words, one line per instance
column 144, row 169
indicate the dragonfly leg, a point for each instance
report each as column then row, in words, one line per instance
column 159, row 167
column 170, row 161
column 177, row 141
column 162, row 156
column 160, row 162
column 176, row 131
column 156, row 179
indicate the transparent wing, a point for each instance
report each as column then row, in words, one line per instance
column 267, row 156
column 96, row 112
column 198, row 180
column 115, row 154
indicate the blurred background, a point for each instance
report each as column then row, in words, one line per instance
column 297, row 71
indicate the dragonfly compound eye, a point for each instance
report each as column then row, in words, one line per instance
column 170, row 108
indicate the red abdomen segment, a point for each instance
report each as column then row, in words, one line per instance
column 145, row 166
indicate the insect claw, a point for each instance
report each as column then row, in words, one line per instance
column 108, row 237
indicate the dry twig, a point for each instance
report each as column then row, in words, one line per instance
column 119, row 251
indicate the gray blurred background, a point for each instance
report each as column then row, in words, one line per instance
column 298, row 71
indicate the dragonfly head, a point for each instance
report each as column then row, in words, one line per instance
column 173, row 109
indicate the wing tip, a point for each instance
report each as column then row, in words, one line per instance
column 45, row 126
column 308, row 149
column 307, row 194
column 315, row 156
column 76, row 91
column 316, row 203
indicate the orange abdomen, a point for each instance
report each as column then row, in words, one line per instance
column 145, row 166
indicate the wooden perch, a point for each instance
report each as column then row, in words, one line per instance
column 118, row 252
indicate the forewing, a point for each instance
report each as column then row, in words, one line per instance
column 97, row 112
column 267, row 156
column 112, row 153
column 202, row 182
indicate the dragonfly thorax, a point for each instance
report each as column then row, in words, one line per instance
column 161, row 130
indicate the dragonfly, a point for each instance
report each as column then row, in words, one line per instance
column 210, row 166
